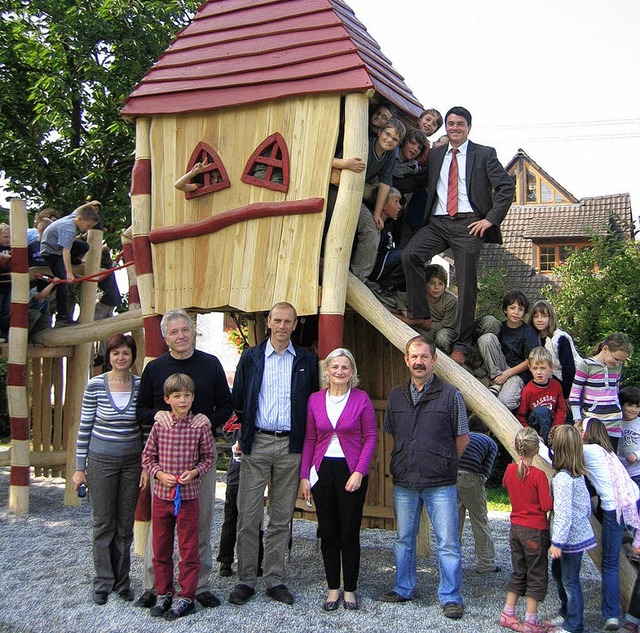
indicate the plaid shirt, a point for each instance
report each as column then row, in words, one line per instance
column 176, row 449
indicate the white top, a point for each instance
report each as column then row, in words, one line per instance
column 600, row 476
column 335, row 407
column 464, row 206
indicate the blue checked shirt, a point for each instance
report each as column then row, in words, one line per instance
column 274, row 401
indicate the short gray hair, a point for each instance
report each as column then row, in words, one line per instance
column 336, row 353
column 172, row 315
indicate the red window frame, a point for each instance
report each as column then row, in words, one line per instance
column 273, row 154
column 204, row 152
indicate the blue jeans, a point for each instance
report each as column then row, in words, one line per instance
column 442, row 506
column 611, row 543
column 566, row 573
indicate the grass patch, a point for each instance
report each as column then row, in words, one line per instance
column 498, row 499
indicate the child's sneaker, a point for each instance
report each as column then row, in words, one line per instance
column 183, row 607
column 510, row 622
column 163, row 604
column 527, row 627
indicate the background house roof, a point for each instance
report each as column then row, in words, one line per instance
column 237, row 52
column 527, row 225
column 578, row 220
column 521, row 160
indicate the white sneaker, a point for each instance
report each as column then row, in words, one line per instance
column 612, row 624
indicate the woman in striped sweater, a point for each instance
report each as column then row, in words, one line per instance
column 108, row 460
column 596, row 384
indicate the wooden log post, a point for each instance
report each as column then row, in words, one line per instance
column 17, row 397
column 337, row 249
column 89, row 332
column 486, row 406
column 134, row 296
column 154, row 343
column 79, row 366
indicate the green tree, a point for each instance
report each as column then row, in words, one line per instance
column 66, row 67
column 493, row 285
column 600, row 294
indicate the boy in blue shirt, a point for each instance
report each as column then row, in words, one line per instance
column 57, row 241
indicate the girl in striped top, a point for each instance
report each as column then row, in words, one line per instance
column 108, row 461
column 595, row 387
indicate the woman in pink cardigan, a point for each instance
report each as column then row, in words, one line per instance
column 338, row 447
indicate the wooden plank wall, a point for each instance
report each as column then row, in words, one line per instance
column 46, row 406
column 381, row 368
column 252, row 265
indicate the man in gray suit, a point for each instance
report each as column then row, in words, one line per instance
column 468, row 196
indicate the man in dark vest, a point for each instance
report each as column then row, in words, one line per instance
column 428, row 420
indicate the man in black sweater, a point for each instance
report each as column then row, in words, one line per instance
column 212, row 404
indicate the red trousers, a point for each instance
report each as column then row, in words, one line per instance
column 164, row 524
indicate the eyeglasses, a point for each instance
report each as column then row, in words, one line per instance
column 391, row 136
column 616, row 361
column 381, row 116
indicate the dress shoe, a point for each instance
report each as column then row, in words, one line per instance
column 146, row 600
column 100, row 597
column 241, row 594
column 331, row 605
column 281, row 593
column 225, row 570
column 391, row 596
column 126, row 595
column 207, row 599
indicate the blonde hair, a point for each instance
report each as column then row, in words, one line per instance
column 337, row 353
column 540, row 355
column 567, row 451
column 527, row 444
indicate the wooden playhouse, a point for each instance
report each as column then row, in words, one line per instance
column 262, row 90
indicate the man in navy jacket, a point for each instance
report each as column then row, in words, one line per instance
column 272, row 384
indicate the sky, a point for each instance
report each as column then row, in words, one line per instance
column 559, row 79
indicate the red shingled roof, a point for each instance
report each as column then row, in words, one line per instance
column 237, row 52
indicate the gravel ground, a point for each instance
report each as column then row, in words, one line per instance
column 46, row 572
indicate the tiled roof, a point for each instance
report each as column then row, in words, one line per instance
column 525, row 225
column 237, row 52
column 576, row 220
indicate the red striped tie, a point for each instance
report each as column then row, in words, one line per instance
column 452, row 190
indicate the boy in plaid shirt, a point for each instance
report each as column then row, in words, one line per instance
column 177, row 457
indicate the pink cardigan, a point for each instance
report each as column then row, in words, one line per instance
column 356, row 430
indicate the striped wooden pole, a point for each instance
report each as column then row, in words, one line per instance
column 337, row 249
column 17, row 371
column 154, row 343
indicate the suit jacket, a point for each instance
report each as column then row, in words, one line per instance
column 489, row 187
